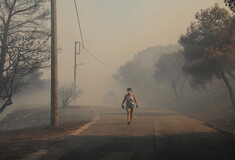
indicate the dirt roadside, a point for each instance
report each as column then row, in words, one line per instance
column 19, row 143
column 21, row 134
column 219, row 117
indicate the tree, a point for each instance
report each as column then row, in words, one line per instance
column 129, row 74
column 209, row 48
column 24, row 44
column 169, row 69
column 231, row 4
column 68, row 94
column 139, row 71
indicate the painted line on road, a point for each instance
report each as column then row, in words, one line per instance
column 36, row 155
column 84, row 127
column 42, row 152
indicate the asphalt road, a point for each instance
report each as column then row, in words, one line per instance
column 152, row 135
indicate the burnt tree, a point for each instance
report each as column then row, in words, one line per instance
column 24, row 44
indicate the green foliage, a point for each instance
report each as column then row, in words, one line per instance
column 209, row 45
column 168, row 69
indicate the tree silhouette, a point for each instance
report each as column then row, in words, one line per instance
column 68, row 94
column 24, row 44
column 168, row 69
column 209, row 47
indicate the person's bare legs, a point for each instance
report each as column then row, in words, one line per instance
column 129, row 116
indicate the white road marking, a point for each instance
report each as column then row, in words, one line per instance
column 41, row 152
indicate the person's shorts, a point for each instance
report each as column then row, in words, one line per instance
column 129, row 107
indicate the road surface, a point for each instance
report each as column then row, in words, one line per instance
column 160, row 135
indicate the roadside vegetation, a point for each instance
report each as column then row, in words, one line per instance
column 196, row 77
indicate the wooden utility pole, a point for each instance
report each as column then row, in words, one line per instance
column 54, row 66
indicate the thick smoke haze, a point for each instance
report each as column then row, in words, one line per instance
column 129, row 37
column 115, row 31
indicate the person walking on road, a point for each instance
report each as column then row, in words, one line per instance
column 131, row 101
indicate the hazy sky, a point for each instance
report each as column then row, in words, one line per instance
column 115, row 30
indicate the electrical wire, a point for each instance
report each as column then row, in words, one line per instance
column 78, row 19
column 86, row 49
column 90, row 53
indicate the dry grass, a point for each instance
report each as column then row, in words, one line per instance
column 18, row 143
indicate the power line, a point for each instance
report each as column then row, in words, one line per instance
column 79, row 24
column 88, row 51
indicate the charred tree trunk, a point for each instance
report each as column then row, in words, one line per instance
column 4, row 46
column 3, row 57
column 226, row 81
column 4, row 106
column 9, row 93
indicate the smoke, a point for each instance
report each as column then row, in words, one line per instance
column 32, row 96
column 139, row 74
column 32, row 105
column 31, row 108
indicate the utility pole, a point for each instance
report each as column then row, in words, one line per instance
column 75, row 62
column 54, row 66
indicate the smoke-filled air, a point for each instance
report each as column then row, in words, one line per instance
column 162, row 59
